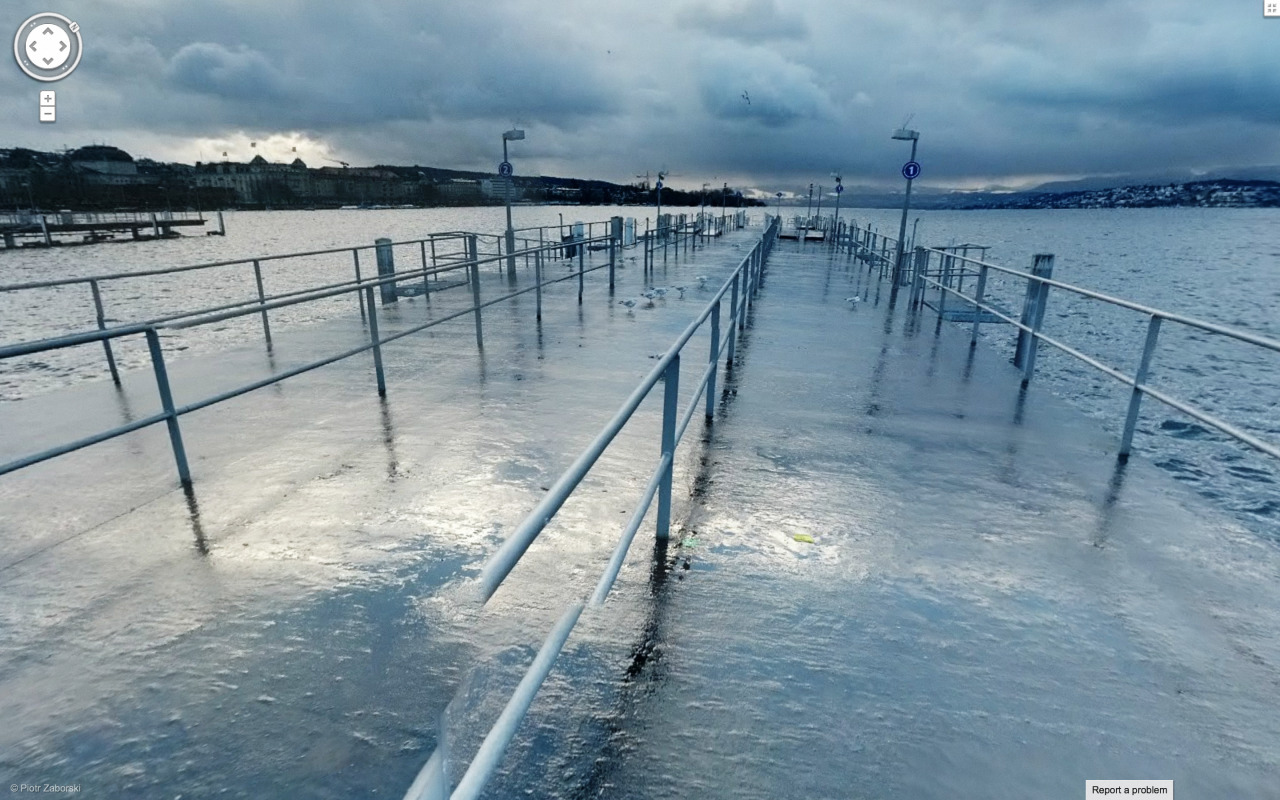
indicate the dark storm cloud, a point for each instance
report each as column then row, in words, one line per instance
column 1000, row 89
column 208, row 68
column 745, row 20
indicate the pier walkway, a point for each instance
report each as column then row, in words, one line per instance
column 894, row 573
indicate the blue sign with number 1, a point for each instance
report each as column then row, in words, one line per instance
column 911, row 170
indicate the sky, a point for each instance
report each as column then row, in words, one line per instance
column 767, row 95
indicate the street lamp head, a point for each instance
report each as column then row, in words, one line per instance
column 513, row 135
column 906, row 134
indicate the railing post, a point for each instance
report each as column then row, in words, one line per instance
column 1039, row 297
column 1135, row 400
column 473, row 267
column 262, row 301
column 377, row 341
column 355, row 254
column 670, row 396
column 733, row 319
column 715, row 358
column 166, row 402
column 919, row 269
column 102, row 326
column 537, row 273
column 977, row 305
column 581, row 268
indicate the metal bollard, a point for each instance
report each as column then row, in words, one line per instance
column 386, row 260
column 670, row 396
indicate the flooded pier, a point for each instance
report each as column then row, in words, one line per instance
column 893, row 568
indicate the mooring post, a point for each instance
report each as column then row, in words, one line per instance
column 919, row 269
column 473, row 267
column 222, row 225
column 102, row 326
column 615, row 237
column 670, row 396
column 715, row 358
column 262, row 302
column 166, row 403
column 1042, row 267
column 377, row 341
column 426, row 287
column 44, row 228
column 386, row 258
column 1139, row 382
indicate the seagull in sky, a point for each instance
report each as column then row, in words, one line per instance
column 746, row 96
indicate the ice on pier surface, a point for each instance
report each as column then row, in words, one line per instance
column 987, row 608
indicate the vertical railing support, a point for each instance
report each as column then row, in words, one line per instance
column 733, row 320
column 977, row 304
column 473, row 268
column 377, row 341
column 1038, row 295
column 262, row 301
column 102, row 326
column 166, row 402
column 537, row 273
column 581, row 267
column 355, row 254
column 715, row 358
column 670, row 396
column 1139, row 380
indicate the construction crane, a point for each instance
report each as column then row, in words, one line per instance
column 333, row 161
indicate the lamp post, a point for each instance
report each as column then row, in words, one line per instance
column 658, row 224
column 505, row 171
column 905, row 135
column 808, row 210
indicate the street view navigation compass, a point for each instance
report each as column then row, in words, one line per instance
column 47, row 47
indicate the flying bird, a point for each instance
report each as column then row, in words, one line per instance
column 746, row 97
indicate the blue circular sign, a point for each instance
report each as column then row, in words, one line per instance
column 505, row 169
column 839, row 188
column 911, row 170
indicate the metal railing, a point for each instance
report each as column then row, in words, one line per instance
column 432, row 782
column 362, row 289
column 945, row 271
column 445, row 249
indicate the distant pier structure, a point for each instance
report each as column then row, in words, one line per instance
column 49, row 230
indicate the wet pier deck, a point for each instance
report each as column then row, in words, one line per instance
column 988, row 607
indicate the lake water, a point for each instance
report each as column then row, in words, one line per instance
column 1221, row 265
